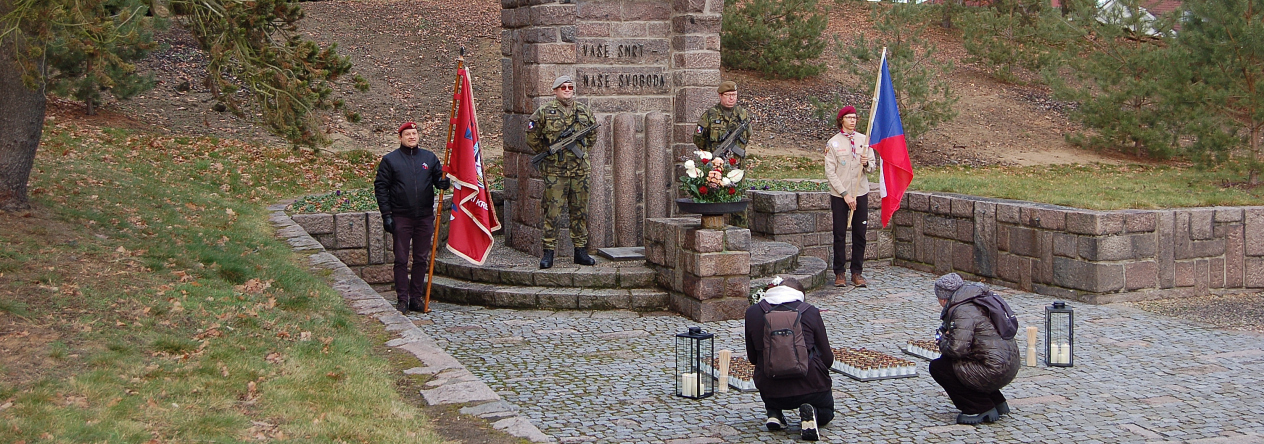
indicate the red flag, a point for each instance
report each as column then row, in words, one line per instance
column 473, row 218
column 886, row 137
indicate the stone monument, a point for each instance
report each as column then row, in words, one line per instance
column 647, row 68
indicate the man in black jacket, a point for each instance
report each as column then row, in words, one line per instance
column 404, row 187
column 812, row 394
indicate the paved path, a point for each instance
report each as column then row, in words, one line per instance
column 606, row 376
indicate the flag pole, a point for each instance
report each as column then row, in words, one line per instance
column 873, row 105
column 447, row 155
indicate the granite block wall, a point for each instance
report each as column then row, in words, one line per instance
column 803, row 219
column 360, row 242
column 706, row 272
column 1091, row 256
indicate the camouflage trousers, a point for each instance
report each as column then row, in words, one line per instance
column 569, row 191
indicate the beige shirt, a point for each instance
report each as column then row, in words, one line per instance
column 843, row 168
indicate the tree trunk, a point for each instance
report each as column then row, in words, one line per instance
column 21, row 125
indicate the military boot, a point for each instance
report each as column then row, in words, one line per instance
column 546, row 261
column 415, row 303
column 402, row 306
column 582, row 257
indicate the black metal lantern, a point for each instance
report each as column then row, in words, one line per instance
column 1059, row 335
column 694, row 352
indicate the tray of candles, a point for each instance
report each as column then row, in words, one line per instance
column 741, row 373
column 870, row 365
column 927, row 350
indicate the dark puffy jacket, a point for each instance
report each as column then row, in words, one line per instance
column 405, row 182
column 817, row 379
column 981, row 359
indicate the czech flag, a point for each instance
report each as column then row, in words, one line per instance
column 886, row 137
column 473, row 217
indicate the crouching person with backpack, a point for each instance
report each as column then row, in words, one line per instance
column 978, row 353
column 787, row 344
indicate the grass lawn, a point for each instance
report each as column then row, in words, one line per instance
column 146, row 299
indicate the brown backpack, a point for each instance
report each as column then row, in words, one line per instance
column 785, row 354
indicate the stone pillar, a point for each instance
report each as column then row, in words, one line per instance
column 658, row 165
column 707, row 272
column 626, row 172
column 639, row 57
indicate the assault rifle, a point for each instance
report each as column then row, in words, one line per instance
column 729, row 144
column 569, row 139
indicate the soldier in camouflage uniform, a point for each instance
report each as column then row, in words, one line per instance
column 565, row 174
column 717, row 122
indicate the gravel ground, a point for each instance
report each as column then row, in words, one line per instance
column 1232, row 311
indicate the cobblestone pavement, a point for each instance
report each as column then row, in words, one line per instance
column 607, row 376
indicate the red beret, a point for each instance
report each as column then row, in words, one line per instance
column 406, row 125
column 845, row 111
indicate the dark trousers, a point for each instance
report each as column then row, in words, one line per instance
column 823, row 401
column 970, row 401
column 859, row 226
column 419, row 234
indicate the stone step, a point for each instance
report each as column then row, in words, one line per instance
column 812, row 273
column 770, row 258
column 506, row 266
column 458, row 291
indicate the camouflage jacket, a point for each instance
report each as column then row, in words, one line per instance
column 550, row 120
column 716, row 123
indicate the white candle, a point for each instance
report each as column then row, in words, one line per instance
column 1055, row 354
column 689, row 384
column 1065, row 354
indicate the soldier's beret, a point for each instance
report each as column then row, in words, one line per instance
column 726, row 86
column 561, row 80
column 405, row 126
column 846, row 110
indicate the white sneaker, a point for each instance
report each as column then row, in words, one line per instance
column 807, row 413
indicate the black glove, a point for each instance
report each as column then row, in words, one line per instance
column 388, row 223
column 444, row 183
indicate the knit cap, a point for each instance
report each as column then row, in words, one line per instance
column 948, row 284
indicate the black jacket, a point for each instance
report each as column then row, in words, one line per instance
column 817, row 379
column 981, row 359
column 405, row 182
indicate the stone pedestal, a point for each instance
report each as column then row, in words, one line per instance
column 647, row 69
column 706, row 271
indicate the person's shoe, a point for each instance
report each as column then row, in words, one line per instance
column 988, row 416
column 582, row 257
column 416, row 305
column 402, row 306
column 840, row 280
column 859, row 280
column 775, row 423
column 1002, row 408
column 807, row 414
column 546, row 260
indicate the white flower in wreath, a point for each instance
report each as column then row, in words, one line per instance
column 726, row 182
column 704, row 155
column 736, row 175
column 692, row 170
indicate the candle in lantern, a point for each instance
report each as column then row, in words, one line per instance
column 1064, row 353
column 689, row 384
column 1055, row 353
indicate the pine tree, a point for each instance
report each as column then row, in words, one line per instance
column 1013, row 36
column 1122, row 81
column 1223, row 41
column 94, row 52
column 921, row 89
column 779, row 38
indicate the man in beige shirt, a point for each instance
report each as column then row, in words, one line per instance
column 848, row 158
